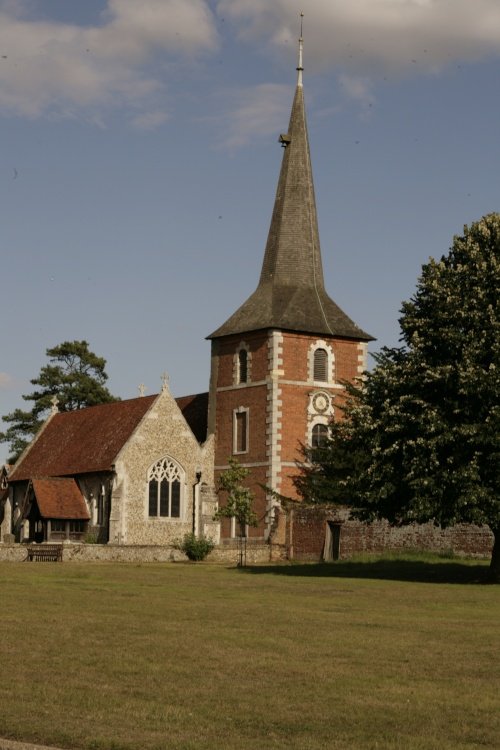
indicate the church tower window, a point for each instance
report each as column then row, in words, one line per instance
column 321, row 365
column 240, row 430
column 165, row 481
column 242, row 366
column 321, row 360
column 319, row 435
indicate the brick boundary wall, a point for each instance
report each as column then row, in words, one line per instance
column 306, row 528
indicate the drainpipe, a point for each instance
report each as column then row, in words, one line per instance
column 196, row 503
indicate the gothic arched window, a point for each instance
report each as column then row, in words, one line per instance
column 165, row 480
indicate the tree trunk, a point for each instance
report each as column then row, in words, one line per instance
column 495, row 557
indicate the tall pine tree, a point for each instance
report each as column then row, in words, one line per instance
column 75, row 375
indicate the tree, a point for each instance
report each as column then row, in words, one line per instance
column 420, row 440
column 238, row 503
column 75, row 376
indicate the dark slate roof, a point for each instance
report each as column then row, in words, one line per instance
column 291, row 294
column 82, row 441
column 89, row 440
column 60, row 498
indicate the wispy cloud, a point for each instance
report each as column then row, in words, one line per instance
column 254, row 112
column 150, row 120
column 364, row 35
column 6, row 381
column 358, row 88
column 65, row 69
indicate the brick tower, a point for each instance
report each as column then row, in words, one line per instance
column 278, row 362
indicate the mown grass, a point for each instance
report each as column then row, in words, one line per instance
column 367, row 654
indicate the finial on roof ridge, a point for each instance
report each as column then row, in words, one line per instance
column 300, row 66
column 55, row 404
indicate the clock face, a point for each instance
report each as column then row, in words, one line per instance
column 320, row 402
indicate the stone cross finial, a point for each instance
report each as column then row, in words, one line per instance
column 164, row 381
column 142, row 389
column 55, row 403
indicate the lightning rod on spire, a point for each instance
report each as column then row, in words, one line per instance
column 300, row 66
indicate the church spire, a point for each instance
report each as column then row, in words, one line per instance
column 291, row 293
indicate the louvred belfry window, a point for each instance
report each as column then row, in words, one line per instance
column 164, row 490
column 321, row 365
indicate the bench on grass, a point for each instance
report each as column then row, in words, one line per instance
column 45, row 553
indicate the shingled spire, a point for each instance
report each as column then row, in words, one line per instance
column 291, row 294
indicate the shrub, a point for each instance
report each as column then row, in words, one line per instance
column 196, row 548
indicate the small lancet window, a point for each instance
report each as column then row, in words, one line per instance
column 321, row 365
column 242, row 366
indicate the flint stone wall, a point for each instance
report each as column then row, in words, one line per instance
column 74, row 552
column 144, row 553
column 162, row 433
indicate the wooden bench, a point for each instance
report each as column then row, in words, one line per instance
column 45, row 553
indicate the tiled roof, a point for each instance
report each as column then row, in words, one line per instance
column 195, row 411
column 82, row 441
column 89, row 440
column 60, row 498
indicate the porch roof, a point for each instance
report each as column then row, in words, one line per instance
column 60, row 498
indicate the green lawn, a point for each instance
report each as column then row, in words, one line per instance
column 388, row 654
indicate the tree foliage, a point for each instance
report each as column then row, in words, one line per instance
column 239, row 499
column 420, row 440
column 238, row 503
column 74, row 375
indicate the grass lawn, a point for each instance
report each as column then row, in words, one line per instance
column 388, row 654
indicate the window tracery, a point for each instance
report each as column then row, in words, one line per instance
column 165, row 480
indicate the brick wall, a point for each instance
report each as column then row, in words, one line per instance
column 278, row 397
column 306, row 526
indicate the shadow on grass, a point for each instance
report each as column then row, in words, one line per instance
column 420, row 571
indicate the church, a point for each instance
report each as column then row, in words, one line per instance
column 144, row 471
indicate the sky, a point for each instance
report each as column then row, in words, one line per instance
column 139, row 159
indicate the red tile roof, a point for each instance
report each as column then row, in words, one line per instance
column 89, row 440
column 60, row 498
column 82, row 441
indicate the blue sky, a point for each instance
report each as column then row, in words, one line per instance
column 139, row 160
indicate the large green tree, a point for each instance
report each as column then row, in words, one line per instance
column 421, row 439
column 75, row 375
